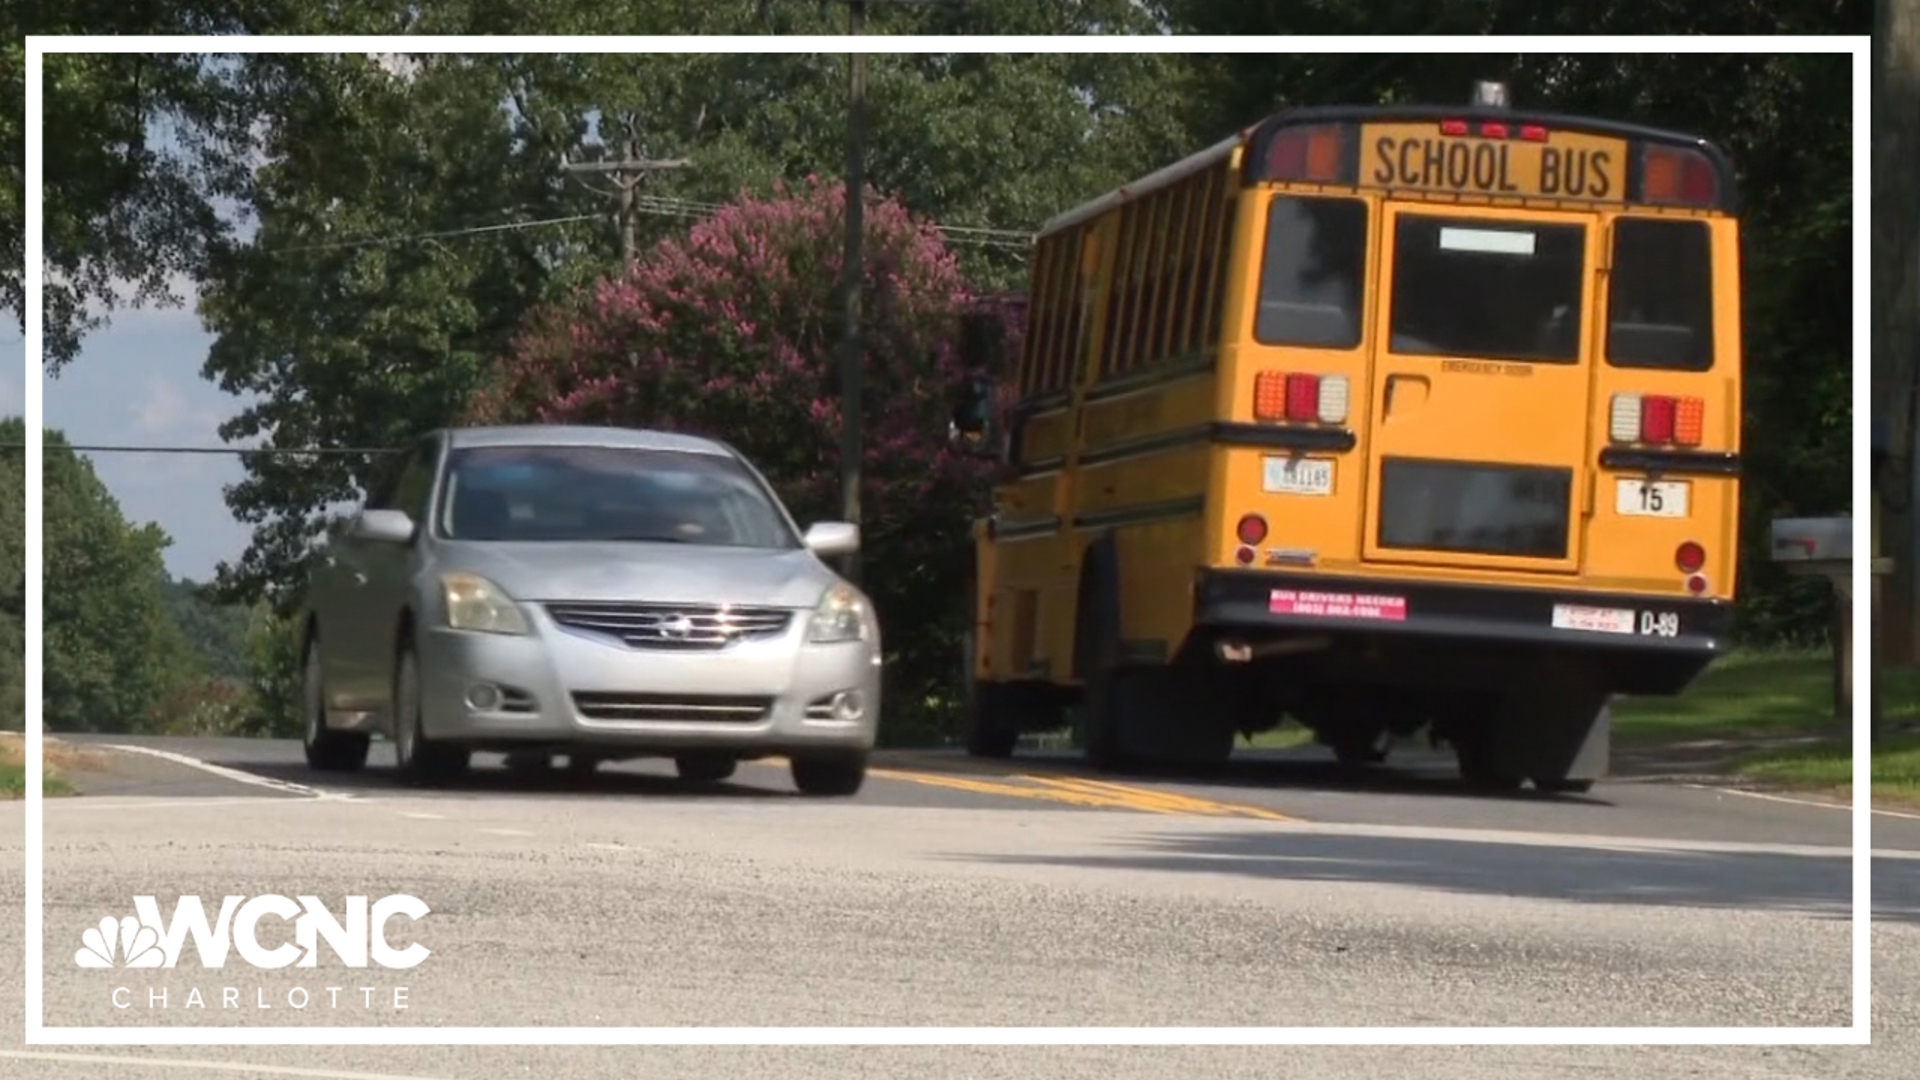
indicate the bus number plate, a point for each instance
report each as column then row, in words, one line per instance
column 1650, row 498
column 1298, row 476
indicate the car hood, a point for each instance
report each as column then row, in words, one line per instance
column 647, row 573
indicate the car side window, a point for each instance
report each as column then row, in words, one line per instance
column 380, row 494
column 413, row 483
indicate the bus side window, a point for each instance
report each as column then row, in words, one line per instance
column 1660, row 300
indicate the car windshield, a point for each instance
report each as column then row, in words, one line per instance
column 597, row 493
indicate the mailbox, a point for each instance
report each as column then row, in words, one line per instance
column 1822, row 546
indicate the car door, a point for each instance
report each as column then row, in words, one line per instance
column 389, row 568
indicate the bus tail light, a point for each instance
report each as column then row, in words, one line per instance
column 1677, row 175
column 1690, row 557
column 1656, row 418
column 1312, row 152
column 1252, row 529
column 1300, row 398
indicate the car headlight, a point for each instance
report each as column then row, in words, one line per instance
column 841, row 616
column 474, row 603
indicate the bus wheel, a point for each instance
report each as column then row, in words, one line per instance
column 992, row 725
column 1485, row 766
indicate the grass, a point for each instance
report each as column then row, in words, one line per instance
column 56, row 758
column 1758, row 695
column 1827, row 767
column 1774, row 710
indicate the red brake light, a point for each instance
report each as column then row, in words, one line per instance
column 1303, row 397
column 1690, row 557
column 1656, row 419
column 1533, row 133
column 1453, row 127
column 1252, row 529
column 1494, row 131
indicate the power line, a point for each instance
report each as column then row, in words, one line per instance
column 263, row 451
column 642, row 204
column 375, row 241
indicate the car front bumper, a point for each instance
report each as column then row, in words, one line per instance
column 562, row 689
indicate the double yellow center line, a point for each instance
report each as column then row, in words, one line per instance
column 1079, row 791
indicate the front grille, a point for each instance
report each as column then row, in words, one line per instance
column 672, row 626
column 1458, row 506
column 672, row 708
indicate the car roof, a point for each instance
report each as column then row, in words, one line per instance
column 584, row 435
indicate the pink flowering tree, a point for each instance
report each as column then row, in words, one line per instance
column 732, row 331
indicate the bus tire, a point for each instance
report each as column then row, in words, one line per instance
column 1106, row 689
column 992, row 727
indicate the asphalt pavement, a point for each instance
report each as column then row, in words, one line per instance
column 957, row 892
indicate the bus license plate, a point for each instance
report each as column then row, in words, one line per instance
column 1298, row 476
column 1651, row 498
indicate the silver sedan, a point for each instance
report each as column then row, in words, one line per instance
column 596, row 593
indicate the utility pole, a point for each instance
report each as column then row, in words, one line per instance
column 627, row 175
column 1895, row 335
column 852, row 354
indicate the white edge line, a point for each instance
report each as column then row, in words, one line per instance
column 202, row 1066
column 229, row 774
column 1770, row 797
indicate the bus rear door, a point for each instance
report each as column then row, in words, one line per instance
column 1479, row 449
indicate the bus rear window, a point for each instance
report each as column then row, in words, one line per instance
column 1312, row 282
column 1660, row 303
column 1488, row 290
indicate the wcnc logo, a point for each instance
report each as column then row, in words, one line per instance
column 146, row 940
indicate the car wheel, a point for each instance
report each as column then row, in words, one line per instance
column 327, row 750
column 824, row 774
column 704, row 768
column 418, row 760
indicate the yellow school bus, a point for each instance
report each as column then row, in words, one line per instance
column 1389, row 420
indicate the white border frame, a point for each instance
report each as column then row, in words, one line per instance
column 38, row 1033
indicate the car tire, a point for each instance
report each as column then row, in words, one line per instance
column 327, row 750
column 419, row 761
column 704, row 768
column 829, row 774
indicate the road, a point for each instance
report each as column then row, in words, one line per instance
column 956, row 892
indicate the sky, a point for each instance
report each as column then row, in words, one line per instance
column 138, row 382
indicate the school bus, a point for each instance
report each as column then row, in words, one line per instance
column 1389, row 420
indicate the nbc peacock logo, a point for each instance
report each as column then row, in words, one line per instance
column 125, row 942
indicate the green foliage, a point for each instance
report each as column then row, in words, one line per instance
column 273, row 673
column 13, row 578
column 215, row 632
column 111, row 655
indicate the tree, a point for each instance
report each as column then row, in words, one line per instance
column 111, row 656
column 729, row 332
column 1896, row 307
column 357, row 326
column 13, row 578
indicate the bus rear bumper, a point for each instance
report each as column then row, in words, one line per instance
column 1649, row 644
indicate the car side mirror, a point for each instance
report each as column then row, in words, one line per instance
column 383, row 526
column 832, row 539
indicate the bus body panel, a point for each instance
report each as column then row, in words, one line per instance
column 1473, row 505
